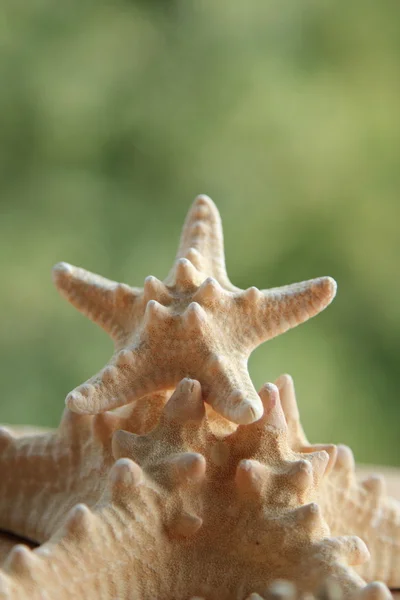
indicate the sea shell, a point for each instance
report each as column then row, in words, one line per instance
column 187, row 514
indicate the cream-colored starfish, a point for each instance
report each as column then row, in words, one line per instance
column 194, row 324
column 44, row 475
column 186, row 514
column 213, row 510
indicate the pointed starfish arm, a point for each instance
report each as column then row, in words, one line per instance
column 229, row 390
column 44, row 475
column 107, row 303
column 297, row 437
column 80, row 560
column 280, row 309
column 344, row 498
column 202, row 241
column 130, row 376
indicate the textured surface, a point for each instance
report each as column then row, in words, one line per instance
column 213, row 491
column 194, row 324
column 43, row 475
column 350, row 504
column 8, row 541
column 188, row 514
column 391, row 475
column 58, row 469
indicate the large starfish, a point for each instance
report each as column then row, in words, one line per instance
column 44, row 475
column 194, row 324
column 187, row 515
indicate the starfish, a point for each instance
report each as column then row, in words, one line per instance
column 194, row 324
column 173, row 499
column 185, row 515
column 46, row 474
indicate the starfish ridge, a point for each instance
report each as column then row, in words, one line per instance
column 193, row 324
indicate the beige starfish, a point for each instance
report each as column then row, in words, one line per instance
column 194, row 324
column 196, row 516
column 57, row 469
column 212, row 510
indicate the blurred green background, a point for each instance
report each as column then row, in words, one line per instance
column 113, row 116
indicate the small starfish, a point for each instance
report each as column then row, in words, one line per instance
column 194, row 324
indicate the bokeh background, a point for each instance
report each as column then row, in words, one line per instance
column 113, row 116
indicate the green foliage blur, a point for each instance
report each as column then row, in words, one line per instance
column 114, row 115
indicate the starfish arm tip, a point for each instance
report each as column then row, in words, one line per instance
column 376, row 590
column 272, row 407
column 125, row 472
column 61, row 270
column 76, row 402
column 284, row 380
column 243, row 410
column 203, row 199
column 329, row 286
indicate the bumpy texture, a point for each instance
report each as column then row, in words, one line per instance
column 194, row 324
column 349, row 506
column 187, row 514
column 46, row 474
column 29, row 511
column 166, row 497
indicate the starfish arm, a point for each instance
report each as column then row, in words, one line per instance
column 297, row 437
column 361, row 508
column 131, row 375
column 44, row 475
column 7, row 543
column 202, row 241
column 79, row 560
column 229, row 390
column 279, row 309
column 107, row 303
